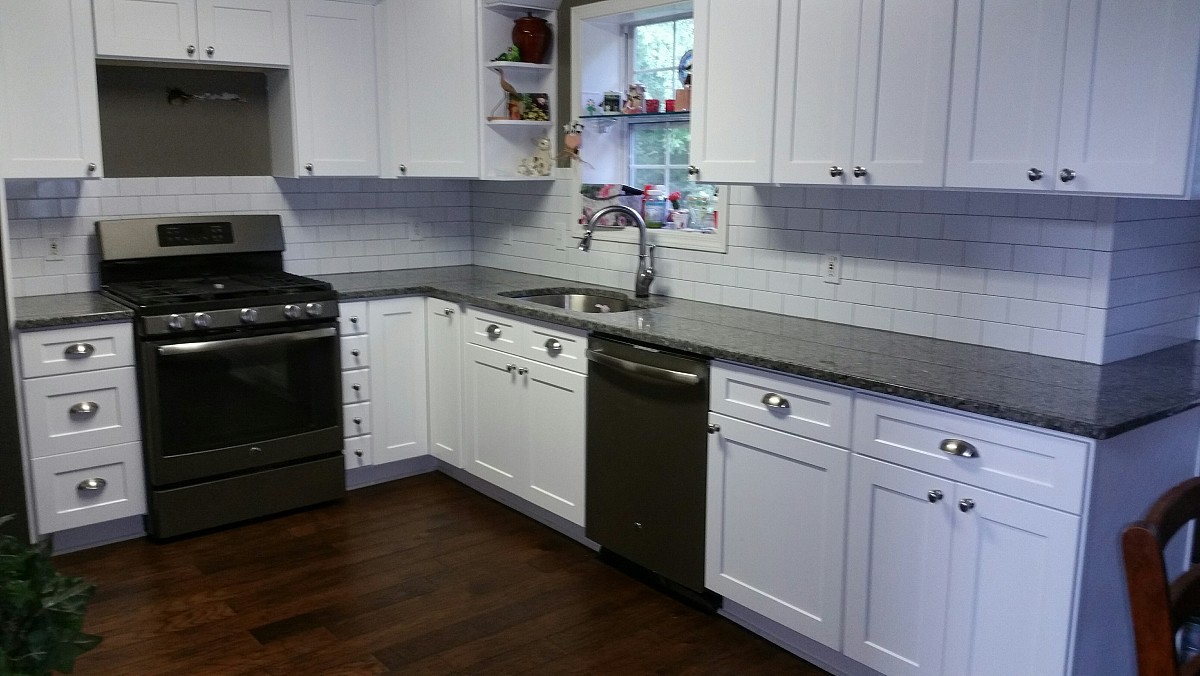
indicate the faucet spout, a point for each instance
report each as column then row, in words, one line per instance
column 645, row 270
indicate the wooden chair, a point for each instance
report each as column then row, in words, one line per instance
column 1158, row 605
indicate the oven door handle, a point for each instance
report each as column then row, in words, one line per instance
column 253, row 341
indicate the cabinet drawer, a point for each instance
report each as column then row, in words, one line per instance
column 352, row 318
column 357, row 451
column 557, row 346
column 354, row 352
column 78, row 411
column 496, row 331
column 356, row 419
column 87, row 487
column 356, row 386
column 1015, row 461
column 75, row 349
column 802, row 407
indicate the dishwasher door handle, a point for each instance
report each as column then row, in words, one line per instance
column 668, row 375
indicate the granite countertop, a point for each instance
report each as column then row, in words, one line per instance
column 1067, row 396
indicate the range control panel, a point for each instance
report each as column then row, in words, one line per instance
column 191, row 234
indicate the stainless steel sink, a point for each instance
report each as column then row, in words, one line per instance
column 580, row 302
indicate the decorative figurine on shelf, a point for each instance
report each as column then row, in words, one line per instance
column 591, row 106
column 510, row 98
column 635, row 99
column 572, row 141
column 510, row 54
column 539, row 164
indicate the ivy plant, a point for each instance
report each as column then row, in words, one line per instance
column 41, row 611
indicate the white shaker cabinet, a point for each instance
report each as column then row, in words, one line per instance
column 733, row 77
column 398, row 375
column 444, row 349
column 432, row 70
column 334, row 88
column 863, row 92
column 201, row 31
column 50, row 118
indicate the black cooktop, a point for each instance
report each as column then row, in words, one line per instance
column 158, row 293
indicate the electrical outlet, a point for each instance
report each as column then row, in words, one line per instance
column 416, row 231
column 54, row 250
column 831, row 268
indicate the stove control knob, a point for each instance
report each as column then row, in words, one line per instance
column 175, row 323
column 249, row 315
column 202, row 320
column 293, row 311
column 314, row 309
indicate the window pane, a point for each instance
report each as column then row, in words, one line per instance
column 649, row 144
column 684, row 37
column 678, row 139
column 660, row 84
column 677, row 180
column 654, row 46
column 645, row 177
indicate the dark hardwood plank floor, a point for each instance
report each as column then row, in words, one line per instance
column 417, row 576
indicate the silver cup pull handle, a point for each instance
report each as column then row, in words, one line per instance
column 772, row 400
column 84, row 409
column 553, row 346
column 959, row 447
column 493, row 331
column 91, row 485
column 79, row 351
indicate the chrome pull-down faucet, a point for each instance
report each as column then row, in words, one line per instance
column 645, row 271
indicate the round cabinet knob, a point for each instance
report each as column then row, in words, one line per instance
column 175, row 323
column 354, row 320
column 522, row 371
column 308, row 167
column 191, row 49
column 510, row 367
column 713, row 428
column 836, row 171
column 448, row 311
column 355, row 353
column 637, row 525
column 493, row 331
column 966, row 505
column 248, row 315
column 209, row 50
column 357, row 421
column 553, row 346
column 859, row 172
column 358, row 453
column 314, row 309
column 1035, row 174
column 91, row 485
column 693, row 170
column 293, row 311
column 91, row 166
column 935, row 496
column 403, row 169
column 356, row 387
column 202, row 320
column 1067, row 175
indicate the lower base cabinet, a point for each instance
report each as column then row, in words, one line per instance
column 399, row 425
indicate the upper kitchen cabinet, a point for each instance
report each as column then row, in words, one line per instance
column 518, row 124
column 333, row 89
column 200, row 31
column 49, row 118
column 432, row 99
column 1106, row 88
column 863, row 92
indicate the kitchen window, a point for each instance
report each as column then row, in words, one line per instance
column 615, row 44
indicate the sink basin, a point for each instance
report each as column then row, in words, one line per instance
column 580, row 302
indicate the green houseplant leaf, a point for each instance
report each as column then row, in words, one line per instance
column 41, row 612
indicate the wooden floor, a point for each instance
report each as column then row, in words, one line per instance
column 417, row 576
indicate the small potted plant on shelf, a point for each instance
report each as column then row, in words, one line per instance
column 41, row 611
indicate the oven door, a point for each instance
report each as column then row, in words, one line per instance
column 220, row 405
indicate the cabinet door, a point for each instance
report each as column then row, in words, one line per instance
column 398, row 379
column 49, row 115
column 776, row 526
column 433, row 71
column 333, row 75
column 903, row 91
column 897, row 568
column 496, row 441
column 1128, row 97
column 1013, row 573
column 146, row 29
column 814, row 106
column 1005, row 52
column 443, row 347
column 554, row 421
column 733, row 78
column 244, row 31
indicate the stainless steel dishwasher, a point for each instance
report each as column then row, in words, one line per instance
column 647, row 421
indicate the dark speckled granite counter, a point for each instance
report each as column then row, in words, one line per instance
column 1074, row 397
column 65, row 309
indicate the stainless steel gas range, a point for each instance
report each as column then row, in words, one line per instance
column 238, row 369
